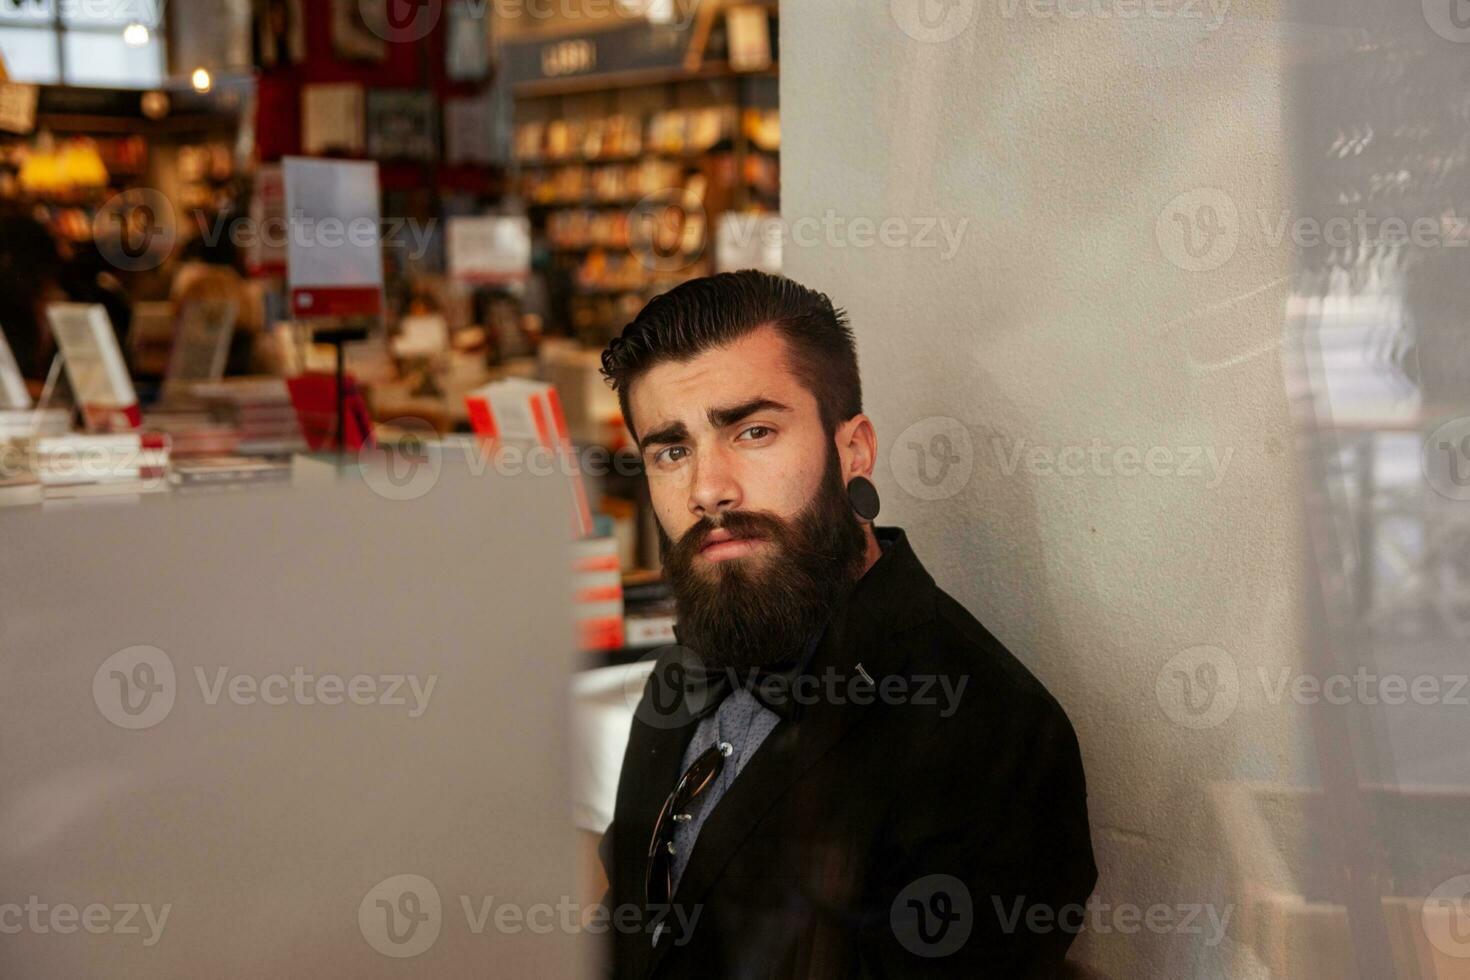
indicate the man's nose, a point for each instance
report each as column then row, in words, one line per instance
column 715, row 487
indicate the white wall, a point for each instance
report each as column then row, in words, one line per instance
column 1068, row 315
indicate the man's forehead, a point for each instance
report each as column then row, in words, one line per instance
column 753, row 366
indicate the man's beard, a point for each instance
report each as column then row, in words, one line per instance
column 762, row 608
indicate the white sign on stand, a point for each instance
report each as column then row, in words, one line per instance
column 13, row 393
column 489, row 250
column 202, row 347
column 334, row 257
column 94, row 366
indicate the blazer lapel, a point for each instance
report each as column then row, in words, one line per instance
column 662, row 729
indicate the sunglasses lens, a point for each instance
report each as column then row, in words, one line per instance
column 698, row 778
column 658, row 881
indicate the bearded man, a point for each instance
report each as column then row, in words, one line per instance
column 837, row 772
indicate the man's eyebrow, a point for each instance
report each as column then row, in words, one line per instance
column 669, row 434
column 719, row 417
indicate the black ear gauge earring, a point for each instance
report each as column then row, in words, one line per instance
column 863, row 496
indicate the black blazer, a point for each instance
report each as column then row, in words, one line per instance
column 890, row 830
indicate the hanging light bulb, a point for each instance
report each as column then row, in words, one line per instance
column 202, row 80
column 136, row 35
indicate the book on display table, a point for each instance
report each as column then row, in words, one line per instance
column 95, row 367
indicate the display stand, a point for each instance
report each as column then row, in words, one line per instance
column 48, row 391
column 339, row 337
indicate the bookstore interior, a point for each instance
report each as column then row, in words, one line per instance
column 245, row 240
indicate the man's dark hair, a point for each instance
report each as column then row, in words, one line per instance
column 705, row 313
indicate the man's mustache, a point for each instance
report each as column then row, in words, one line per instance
column 740, row 524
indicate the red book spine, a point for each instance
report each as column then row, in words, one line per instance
column 564, row 444
column 482, row 419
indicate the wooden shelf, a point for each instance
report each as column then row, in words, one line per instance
column 622, row 160
column 634, row 79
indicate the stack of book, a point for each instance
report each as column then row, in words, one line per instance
column 648, row 610
column 213, row 474
column 102, row 465
column 260, row 408
column 598, row 601
column 528, row 413
column 194, row 434
column 25, row 423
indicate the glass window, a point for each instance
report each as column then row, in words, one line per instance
column 104, row 59
column 109, row 13
column 30, row 54
column 26, row 11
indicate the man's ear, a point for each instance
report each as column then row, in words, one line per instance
column 857, row 446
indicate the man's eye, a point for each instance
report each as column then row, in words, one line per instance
column 663, row 455
column 760, row 431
